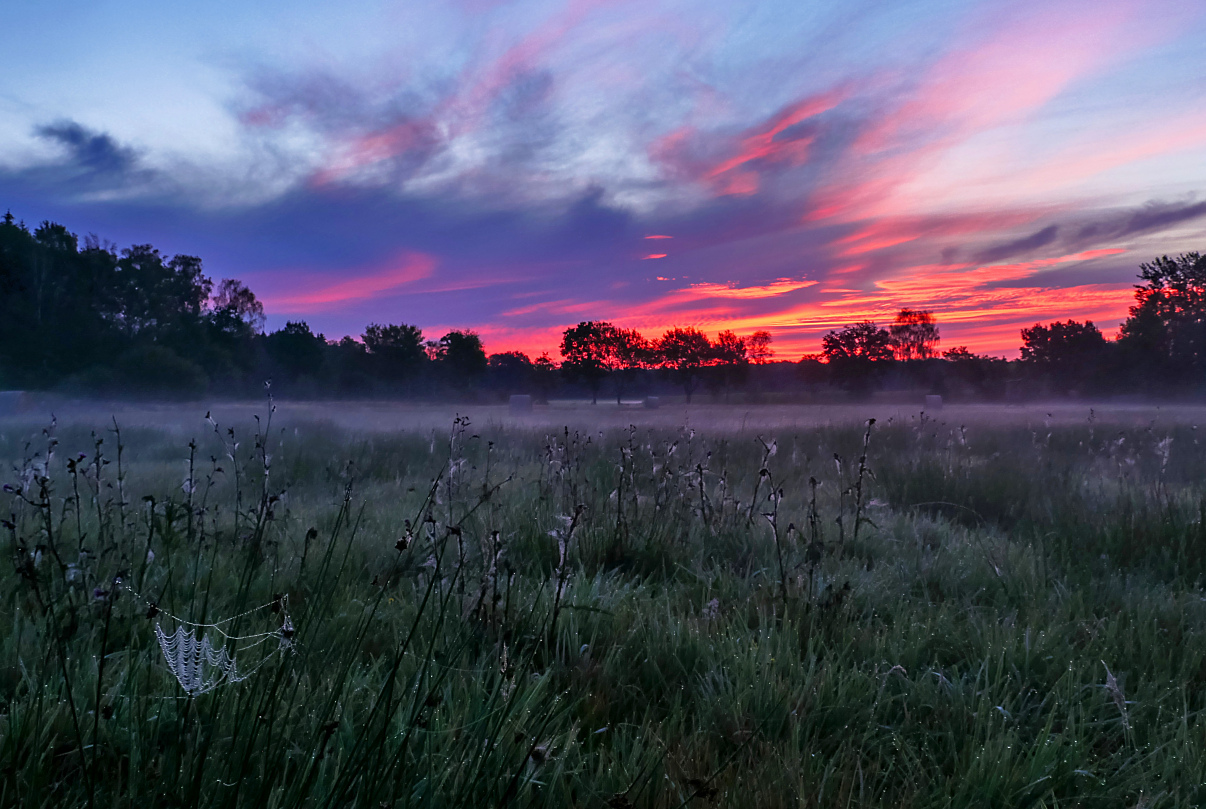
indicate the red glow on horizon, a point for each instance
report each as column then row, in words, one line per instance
column 1105, row 305
column 655, row 255
column 970, row 303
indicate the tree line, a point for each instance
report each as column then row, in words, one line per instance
column 87, row 317
column 1160, row 348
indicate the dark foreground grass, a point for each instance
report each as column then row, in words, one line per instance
column 992, row 616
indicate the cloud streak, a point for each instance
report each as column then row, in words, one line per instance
column 1024, row 245
column 316, row 295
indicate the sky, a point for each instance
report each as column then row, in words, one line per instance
column 517, row 166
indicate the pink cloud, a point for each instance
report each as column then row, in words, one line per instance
column 375, row 148
column 685, row 151
column 314, row 295
column 937, row 283
column 771, row 290
column 761, row 144
column 1006, row 79
column 1018, row 70
column 565, row 306
column 1112, row 150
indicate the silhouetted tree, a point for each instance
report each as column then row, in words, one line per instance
column 351, row 366
column 53, row 319
column 231, row 322
column 509, row 361
column 958, row 354
column 1166, row 330
column 975, row 374
column 862, row 341
column 758, row 347
column 629, row 352
column 855, row 354
column 461, row 353
column 234, row 297
column 588, row 353
column 509, row 370
column 729, row 349
column 914, row 335
column 730, row 361
column 544, row 376
column 396, row 350
column 813, row 369
column 1069, row 354
column 295, row 350
column 685, row 352
column 156, row 297
column 81, row 314
column 1061, row 342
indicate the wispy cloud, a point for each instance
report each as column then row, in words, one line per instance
column 770, row 290
column 315, row 295
column 1026, row 244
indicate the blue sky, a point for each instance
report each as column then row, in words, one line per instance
column 501, row 165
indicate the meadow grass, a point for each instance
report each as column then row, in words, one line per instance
column 912, row 613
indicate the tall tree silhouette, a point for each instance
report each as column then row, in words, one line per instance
column 914, row 335
column 758, row 346
column 856, row 353
column 295, row 350
column 235, row 297
column 685, row 352
column 588, row 353
column 730, row 360
column 396, row 350
column 1069, row 354
column 628, row 353
column 1166, row 330
column 461, row 353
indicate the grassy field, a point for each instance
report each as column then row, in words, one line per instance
column 603, row 607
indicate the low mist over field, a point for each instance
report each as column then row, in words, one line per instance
column 361, row 417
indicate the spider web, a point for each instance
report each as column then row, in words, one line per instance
column 200, row 664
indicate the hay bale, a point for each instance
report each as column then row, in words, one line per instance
column 933, row 402
column 521, row 403
column 652, row 403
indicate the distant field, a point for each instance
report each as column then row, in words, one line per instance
column 372, row 604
